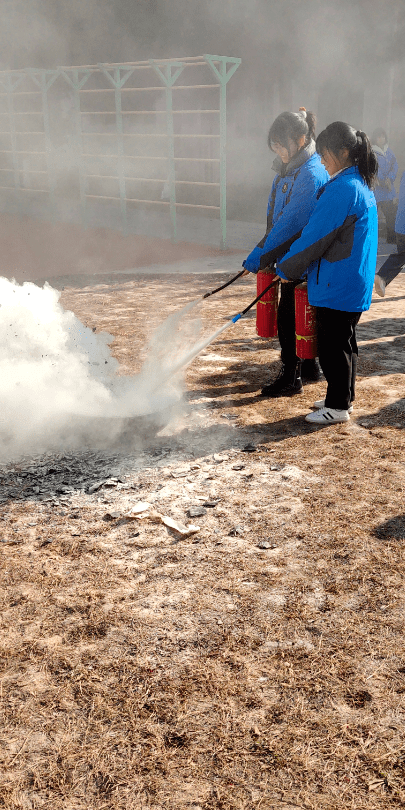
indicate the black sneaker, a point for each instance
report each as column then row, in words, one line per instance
column 310, row 371
column 286, row 384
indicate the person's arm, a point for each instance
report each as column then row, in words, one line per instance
column 292, row 220
column 252, row 262
column 289, row 224
column 331, row 213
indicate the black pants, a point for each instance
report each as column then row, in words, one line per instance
column 396, row 262
column 389, row 210
column 286, row 324
column 338, row 353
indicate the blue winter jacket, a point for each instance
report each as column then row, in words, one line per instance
column 338, row 246
column 400, row 219
column 291, row 201
column 387, row 172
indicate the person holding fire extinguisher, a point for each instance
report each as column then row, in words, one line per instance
column 300, row 175
column 337, row 251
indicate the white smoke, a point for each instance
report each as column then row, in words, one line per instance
column 60, row 385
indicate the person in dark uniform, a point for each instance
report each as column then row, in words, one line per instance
column 396, row 261
column 299, row 176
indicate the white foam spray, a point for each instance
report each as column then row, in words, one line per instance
column 60, row 385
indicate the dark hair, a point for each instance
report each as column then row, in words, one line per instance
column 292, row 125
column 377, row 134
column 338, row 136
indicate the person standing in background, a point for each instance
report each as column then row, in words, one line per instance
column 396, row 262
column 384, row 185
column 292, row 199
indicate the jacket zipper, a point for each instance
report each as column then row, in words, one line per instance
column 317, row 273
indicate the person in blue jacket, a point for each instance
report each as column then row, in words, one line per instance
column 384, row 184
column 300, row 175
column 337, row 250
column 396, row 262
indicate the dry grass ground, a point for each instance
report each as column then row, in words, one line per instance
column 259, row 663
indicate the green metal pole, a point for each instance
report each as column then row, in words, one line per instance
column 169, row 78
column 172, row 167
column 117, row 80
column 79, row 145
column 120, row 149
column 223, row 74
column 76, row 82
column 49, row 145
column 222, row 162
column 10, row 86
column 44, row 81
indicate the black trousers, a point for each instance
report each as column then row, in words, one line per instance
column 389, row 210
column 396, row 262
column 286, row 323
column 338, row 353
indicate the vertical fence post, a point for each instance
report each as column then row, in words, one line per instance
column 44, row 79
column 223, row 75
column 77, row 80
column 118, row 80
column 10, row 83
column 169, row 78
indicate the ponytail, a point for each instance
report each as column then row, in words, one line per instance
column 365, row 158
column 311, row 121
column 339, row 136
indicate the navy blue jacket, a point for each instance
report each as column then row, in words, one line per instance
column 338, row 246
column 291, row 201
column 387, row 172
column 400, row 220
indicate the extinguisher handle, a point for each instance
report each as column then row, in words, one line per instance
column 207, row 294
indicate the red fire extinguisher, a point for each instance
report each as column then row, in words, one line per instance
column 305, row 325
column 266, row 308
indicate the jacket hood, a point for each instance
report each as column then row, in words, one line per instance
column 379, row 150
column 301, row 157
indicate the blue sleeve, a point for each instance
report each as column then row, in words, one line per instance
column 330, row 213
column 296, row 213
column 289, row 224
column 252, row 262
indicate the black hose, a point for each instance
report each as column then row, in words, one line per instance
column 236, row 318
column 224, row 285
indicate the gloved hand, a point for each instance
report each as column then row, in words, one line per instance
column 252, row 262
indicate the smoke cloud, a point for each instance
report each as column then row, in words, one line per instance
column 60, row 384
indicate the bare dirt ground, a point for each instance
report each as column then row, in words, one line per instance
column 258, row 662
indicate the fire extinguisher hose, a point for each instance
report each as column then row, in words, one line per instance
column 244, row 311
column 207, row 294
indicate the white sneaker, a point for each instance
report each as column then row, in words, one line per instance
column 327, row 416
column 379, row 286
column 320, row 403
